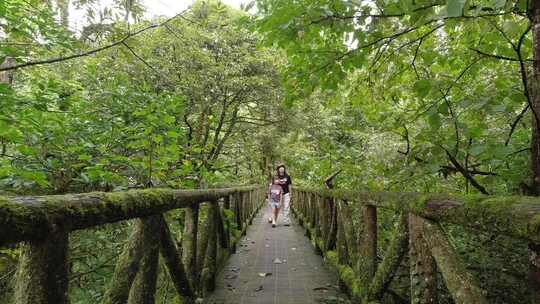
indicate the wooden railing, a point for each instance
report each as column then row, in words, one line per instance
column 349, row 242
column 43, row 225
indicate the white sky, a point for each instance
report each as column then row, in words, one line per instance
column 167, row 8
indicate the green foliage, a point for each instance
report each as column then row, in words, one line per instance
column 184, row 104
column 419, row 81
column 164, row 108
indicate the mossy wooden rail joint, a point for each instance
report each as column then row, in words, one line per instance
column 25, row 218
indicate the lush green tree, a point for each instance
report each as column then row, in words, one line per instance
column 188, row 101
column 159, row 108
column 451, row 78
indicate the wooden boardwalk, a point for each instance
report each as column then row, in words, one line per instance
column 275, row 266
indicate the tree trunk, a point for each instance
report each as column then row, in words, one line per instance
column 534, row 273
column 534, row 14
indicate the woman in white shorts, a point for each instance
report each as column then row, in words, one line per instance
column 285, row 182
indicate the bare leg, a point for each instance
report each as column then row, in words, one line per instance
column 276, row 212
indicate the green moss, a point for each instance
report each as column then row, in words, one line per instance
column 517, row 216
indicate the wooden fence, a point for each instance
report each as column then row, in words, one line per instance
column 43, row 225
column 350, row 244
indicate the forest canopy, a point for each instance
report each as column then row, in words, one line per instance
column 394, row 95
column 164, row 102
column 417, row 95
column 421, row 95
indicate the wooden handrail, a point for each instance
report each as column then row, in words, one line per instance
column 43, row 225
column 25, row 218
column 354, row 253
column 517, row 216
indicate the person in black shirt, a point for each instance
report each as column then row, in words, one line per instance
column 285, row 182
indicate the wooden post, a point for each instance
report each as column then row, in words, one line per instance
column 227, row 202
column 461, row 284
column 422, row 265
column 173, row 259
column 189, row 244
column 143, row 290
column 534, row 272
column 242, row 212
column 228, row 223
column 301, row 208
column 332, row 231
column 202, row 243
column 348, row 230
column 341, row 242
column 251, row 206
column 210, row 266
column 392, row 259
column 319, row 230
column 126, row 267
column 42, row 274
column 223, row 233
column 325, row 220
column 313, row 213
column 238, row 210
column 367, row 260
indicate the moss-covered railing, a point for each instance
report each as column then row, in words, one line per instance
column 349, row 243
column 43, row 225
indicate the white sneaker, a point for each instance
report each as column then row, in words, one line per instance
column 269, row 220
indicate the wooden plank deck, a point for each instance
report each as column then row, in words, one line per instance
column 300, row 278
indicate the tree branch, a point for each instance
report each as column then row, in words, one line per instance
column 465, row 172
column 514, row 124
column 480, row 52
column 87, row 53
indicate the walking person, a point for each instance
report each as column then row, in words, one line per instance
column 275, row 198
column 285, row 182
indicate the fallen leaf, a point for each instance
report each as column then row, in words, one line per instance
column 259, row 288
column 264, row 274
column 266, row 245
column 294, row 248
column 322, row 289
column 277, row 261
